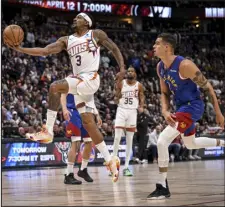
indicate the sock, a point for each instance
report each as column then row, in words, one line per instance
column 84, row 164
column 129, row 143
column 104, row 151
column 116, row 143
column 69, row 167
column 162, row 178
column 51, row 116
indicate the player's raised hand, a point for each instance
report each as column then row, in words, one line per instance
column 66, row 114
column 220, row 120
column 170, row 118
column 120, row 76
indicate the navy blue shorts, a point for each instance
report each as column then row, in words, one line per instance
column 75, row 127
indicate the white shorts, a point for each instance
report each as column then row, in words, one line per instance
column 83, row 86
column 76, row 139
column 126, row 118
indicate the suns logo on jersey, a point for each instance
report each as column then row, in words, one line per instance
column 127, row 94
column 88, row 45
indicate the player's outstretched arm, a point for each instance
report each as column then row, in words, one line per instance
column 188, row 69
column 52, row 48
column 102, row 39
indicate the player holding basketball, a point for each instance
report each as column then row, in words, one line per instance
column 130, row 96
column 83, row 48
column 74, row 131
column 181, row 77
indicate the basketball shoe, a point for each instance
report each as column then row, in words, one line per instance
column 160, row 192
column 70, row 179
column 127, row 172
column 84, row 174
column 113, row 166
column 43, row 136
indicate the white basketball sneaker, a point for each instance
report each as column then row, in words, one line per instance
column 114, row 166
column 43, row 136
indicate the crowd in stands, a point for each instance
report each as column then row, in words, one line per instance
column 26, row 79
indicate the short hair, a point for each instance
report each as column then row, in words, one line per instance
column 131, row 66
column 169, row 38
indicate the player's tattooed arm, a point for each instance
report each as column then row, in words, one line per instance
column 102, row 39
column 141, row 96
column 202, row 82
column 53, row 48
column 189, row 70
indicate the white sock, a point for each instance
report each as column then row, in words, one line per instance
column 162, row 178
column 51, row 116
column 116, row 143
column 104, row 151
column 84, row 164
column 129, row 143
column 69, row 167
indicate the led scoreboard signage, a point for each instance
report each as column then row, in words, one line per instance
column 116, row 9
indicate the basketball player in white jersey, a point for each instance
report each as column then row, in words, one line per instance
column 130, row 96
column 83, row 48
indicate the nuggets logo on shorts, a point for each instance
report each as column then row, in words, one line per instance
column 183, row 125
column 69, row 132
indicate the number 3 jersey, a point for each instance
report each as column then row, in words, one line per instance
column 130, row 96
column 84, row 53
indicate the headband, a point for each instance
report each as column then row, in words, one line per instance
column 86, row 17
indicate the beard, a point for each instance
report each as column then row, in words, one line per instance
column 130, row 77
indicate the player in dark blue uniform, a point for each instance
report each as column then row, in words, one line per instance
column 181, row 78
column 74, row 131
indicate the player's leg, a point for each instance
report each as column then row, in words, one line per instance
column 69, row 177
column 164, row 140
column 73, row 132
column 119, row 129
column 83, row 172
column 85, row 106
column 112, row 163
column 55, row 90
column 131, row 123
column 191, row 142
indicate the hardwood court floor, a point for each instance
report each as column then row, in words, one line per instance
column 199, row 183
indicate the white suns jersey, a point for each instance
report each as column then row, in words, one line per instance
column 84, row 53
column 130, row 96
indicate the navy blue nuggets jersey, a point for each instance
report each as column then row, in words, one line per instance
column 183, row 90
column 74, row 127
column 189, row 106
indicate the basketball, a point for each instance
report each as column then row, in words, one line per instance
column 13, row 35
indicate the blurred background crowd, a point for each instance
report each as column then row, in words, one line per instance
column 26, row 79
